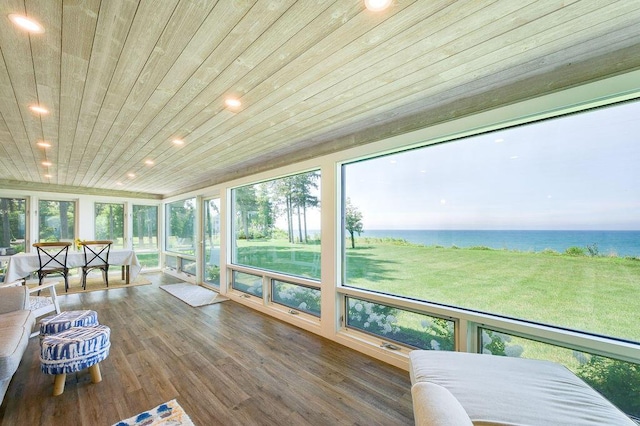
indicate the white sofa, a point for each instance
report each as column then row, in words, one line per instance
column 16, row 322
column 455, row 388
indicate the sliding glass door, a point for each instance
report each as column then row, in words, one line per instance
column 211, row 225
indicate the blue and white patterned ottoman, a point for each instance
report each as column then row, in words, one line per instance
column 54, row 324
column 73, row 350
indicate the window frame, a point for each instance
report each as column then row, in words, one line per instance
column 76, row 216
column 124, row 223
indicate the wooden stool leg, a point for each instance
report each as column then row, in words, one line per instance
column 96, row 377
column 58, row 384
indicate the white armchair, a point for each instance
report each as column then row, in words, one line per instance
column 40, row 304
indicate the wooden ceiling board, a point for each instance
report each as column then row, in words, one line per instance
column 18, row 74
column 114, row 21
column 292, row 95
column 187, row 19
column 9, row 154
column 125, row 77
column 45, row 49
column 226, row 79
column 12, row 131
column 184, row 80
column 148, row 24
column 77, row 45
column 260, row 54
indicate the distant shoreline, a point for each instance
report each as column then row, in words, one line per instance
column 604, row 243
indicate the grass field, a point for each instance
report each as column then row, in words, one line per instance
column 594, row 294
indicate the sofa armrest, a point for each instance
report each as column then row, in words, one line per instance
column 434, row 405
column 13, row 299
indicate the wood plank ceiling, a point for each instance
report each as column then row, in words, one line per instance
column 123, row 78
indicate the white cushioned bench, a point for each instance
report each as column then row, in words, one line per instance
column 455, row 388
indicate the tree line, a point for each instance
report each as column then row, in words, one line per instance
column 257, row 207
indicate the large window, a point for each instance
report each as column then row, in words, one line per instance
column 180, row 225
column 56, row 220
column 109, row 223
column 13, row 226
column 145, row 235
column 277, row 225
column 400, row 325
column 538, row 222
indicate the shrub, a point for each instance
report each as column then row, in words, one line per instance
column 495, row 343
column 575, row 251
column 213, row 274
column 618, row 381
column 593, row 250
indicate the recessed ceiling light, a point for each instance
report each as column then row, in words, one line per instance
column 43, row 144
column 47, row 163
column 39, row 109
column 131, row 175
column 377, row 5
column 232, row 102
column 119, row 183
column 25, row 23
column 149, row 162
column 48, row 176
column 178, row 142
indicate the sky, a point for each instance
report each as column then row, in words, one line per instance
column 580, row 172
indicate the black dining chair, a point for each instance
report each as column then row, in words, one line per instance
column 52, row 258
column 96, row 256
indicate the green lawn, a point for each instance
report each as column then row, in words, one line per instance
column 594, row 294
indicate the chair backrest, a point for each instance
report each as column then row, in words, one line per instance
column 52, row 255
column 96, row 253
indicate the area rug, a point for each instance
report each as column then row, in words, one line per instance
column 96, row 283
column 193, row 295
column 167, row 414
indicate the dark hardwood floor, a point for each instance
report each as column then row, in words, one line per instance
column 225, row 364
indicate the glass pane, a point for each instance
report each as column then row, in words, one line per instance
column 12, row 225
column 407, row 327
column 277, row 225
column 212, row 241
column 145, row 235
column 145, row 227
column 56, row 220
column 247, row 283
column 171, row 262
column 301, row 298
column 110, row 223
column 618, row 381
column 181, row 236
column 188, row 266
column 149, row 260
column 537, row 222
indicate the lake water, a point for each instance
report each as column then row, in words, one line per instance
column 620, row 243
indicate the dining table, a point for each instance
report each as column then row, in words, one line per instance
column 22, row 265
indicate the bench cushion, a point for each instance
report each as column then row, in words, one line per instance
column 15, row 328
column 509, row 391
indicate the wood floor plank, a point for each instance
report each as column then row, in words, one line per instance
column 225, row 364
